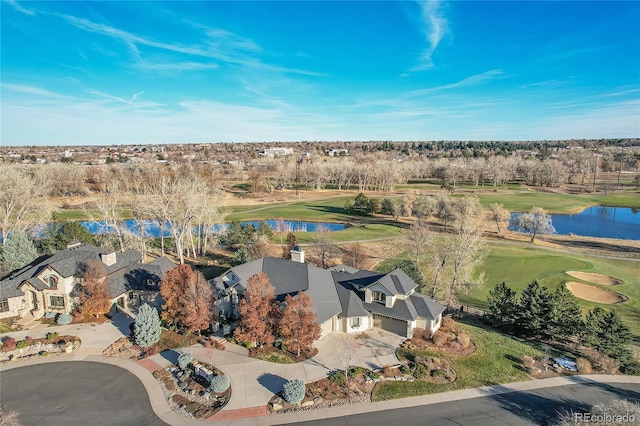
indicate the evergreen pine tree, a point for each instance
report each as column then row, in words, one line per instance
column 534, row 311
column 606, row 332
column 18, row 251
column 503, row 304
column 146, row 329
column 566, row 317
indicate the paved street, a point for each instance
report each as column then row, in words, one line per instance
column 76, row 393
column 538, row 407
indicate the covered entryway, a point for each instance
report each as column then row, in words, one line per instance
column 390, row 324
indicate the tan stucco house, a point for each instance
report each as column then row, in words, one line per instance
column 344, row 299
column 49, row 284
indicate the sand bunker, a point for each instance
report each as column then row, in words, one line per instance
column 594, row 294
column 595, row 278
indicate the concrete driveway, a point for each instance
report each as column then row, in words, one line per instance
column 372, row 349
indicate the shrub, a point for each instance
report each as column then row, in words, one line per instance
column 355, row 372
column 220, row 346
column 21, row 344
column 439, row 338
column 338, row 378
column 52, row 336
column 528, row 362
column 421, row 333
column 405, row 369
column 184, row 359
column 448, row 324
column 439, row 373
column 374, row 374
column 387, row 370
column 50, row 315
column 420, row 371
column 64, row 319
column 584, row 366
column 29, row 340
column 293, row 391
column 220, row 383
column 9, row 343
column 146, row 329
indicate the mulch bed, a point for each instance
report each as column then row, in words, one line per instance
column 265, row 350
column 189, row 394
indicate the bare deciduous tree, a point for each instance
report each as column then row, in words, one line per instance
column 499, row 215
column 324, row 247
column 537, row 221
column 22, row 200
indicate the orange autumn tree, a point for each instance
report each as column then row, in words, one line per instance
column 258, row 312
column 299, row 327
column 95, row 298
column 188, row 298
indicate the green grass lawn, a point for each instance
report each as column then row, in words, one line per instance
column 557, row 203
column 518, row 265
column 495, row 361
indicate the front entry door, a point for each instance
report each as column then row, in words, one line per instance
column 34, row 300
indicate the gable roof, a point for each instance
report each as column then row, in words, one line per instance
column 351, row 289
column 135, row 276
column 289, row 277
column 73, row 261
column 396, row 282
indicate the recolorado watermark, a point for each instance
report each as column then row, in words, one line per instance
column 618, row 419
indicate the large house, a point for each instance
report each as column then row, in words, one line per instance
column 49, row 284
column 344, row 299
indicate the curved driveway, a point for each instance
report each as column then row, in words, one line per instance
column 80, row 393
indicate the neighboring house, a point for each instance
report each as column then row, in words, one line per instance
column 344, row 299
column 49, row 284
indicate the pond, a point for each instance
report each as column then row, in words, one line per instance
column 152, row 229
column 598, row 221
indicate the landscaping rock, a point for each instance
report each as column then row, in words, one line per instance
column 276, row 407
column 308, row 403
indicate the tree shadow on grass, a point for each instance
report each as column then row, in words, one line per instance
column 271, row 382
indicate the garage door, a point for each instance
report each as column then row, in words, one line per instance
column 391, row 324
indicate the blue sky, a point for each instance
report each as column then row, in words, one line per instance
column 170, row 72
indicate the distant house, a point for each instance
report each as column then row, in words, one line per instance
column 344, row 299
column 50, row 284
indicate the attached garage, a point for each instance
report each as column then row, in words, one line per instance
column 326, row 327
column 390, row 324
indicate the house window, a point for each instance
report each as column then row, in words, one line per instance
column 56, row 301
column 355, row 322
column 52, row 281
column 4, row 305
column 379, row 297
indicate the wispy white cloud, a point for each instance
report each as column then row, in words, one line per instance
column 218, row 44
column 131, row 101
column 29, row 90
column 435, row 27
column 473, row 80
column 19, row 7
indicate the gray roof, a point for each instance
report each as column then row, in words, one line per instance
column 351, row 292
column 73, row 261
column 290, row 277
column 397, row 282
column 425, row 306
column 352, row 305
column 339, row 290
column 135, row 276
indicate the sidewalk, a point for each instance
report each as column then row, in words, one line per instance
column 254, row 381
